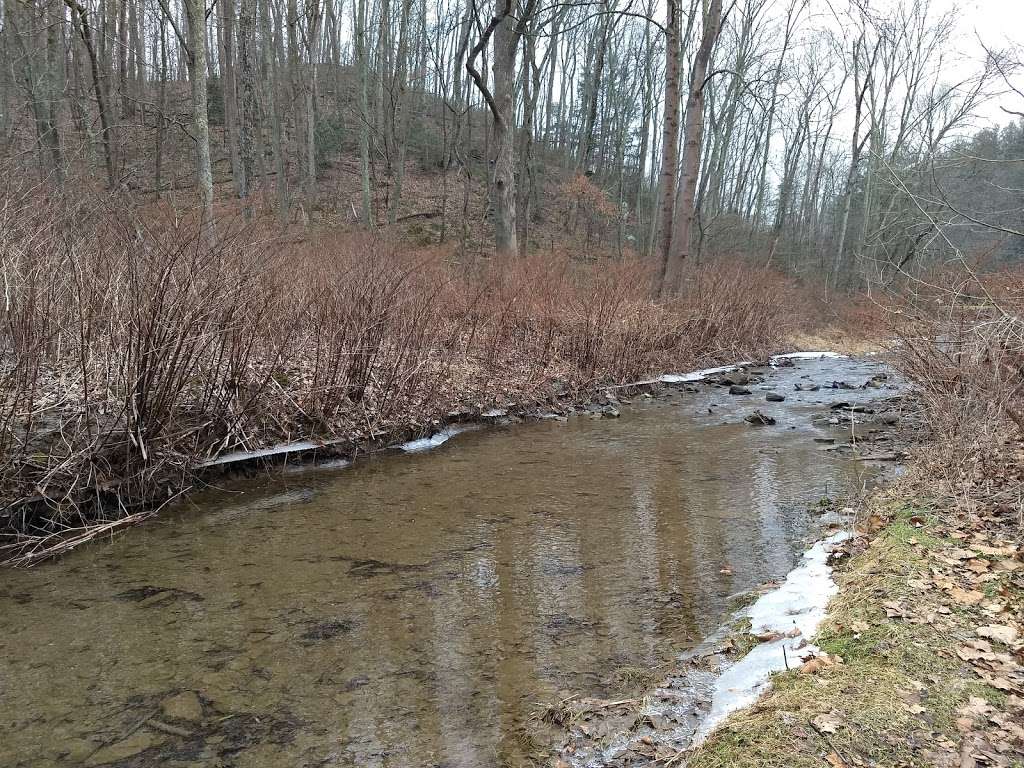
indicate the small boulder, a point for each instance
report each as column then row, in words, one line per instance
column 735, row 377
column 774, row 397
column 876, row 382
column 760, row 419
column 736, row 389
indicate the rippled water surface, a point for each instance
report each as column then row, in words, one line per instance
column 414, row 610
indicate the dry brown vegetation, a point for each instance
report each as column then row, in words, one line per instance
column 960, row 338
column 133, row 349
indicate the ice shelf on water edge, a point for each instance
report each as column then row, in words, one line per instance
column 794, row 608
column 436, row 439
column 682, row 378
column 259, row 453
column 412, row 446
column 681, row 710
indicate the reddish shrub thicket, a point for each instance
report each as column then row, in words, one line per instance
column 133, row 350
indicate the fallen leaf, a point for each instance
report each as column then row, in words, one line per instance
column 961, row 554
column 966, row 597
column 1001, row 632
column 827, row 723
column 1007, row 551
column 810, row 667
column 833, row 759
column 894, row 610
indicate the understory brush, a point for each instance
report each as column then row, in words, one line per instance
column 960, row 339
column 135, row 350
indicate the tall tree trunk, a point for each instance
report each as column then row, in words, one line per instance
column 363, row 75
column 229, row 90
column 693, row 130
column 669, row 141
column 250, row 102
column 85, row 30
column 506, row 242
column 161, row 111
column 274, row 110
column 122, row 58
column 506, row 31
column 594, row 73
column 196, row 10
column 399, row 112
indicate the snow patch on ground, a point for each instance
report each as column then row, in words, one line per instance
column 805, row 356
column 798, row 603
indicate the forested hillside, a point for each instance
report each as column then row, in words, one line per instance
column 841, row 142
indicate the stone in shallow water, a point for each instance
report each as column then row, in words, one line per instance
column 135, row 744
column 183, row 706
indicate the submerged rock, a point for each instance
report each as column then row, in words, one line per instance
column 183, row 706
column 599, row 411
column 735, row 389
column 134, row 745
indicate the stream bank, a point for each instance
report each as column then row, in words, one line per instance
column 413, row 609
column 924, row 651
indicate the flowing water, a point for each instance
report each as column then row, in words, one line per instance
column 415, row 609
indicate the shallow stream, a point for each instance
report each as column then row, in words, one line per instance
column 417, row 609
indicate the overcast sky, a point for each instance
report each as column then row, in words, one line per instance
column 997, row 23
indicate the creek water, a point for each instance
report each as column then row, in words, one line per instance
column 416, row 609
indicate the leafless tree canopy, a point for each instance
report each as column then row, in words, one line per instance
column 839, row 141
